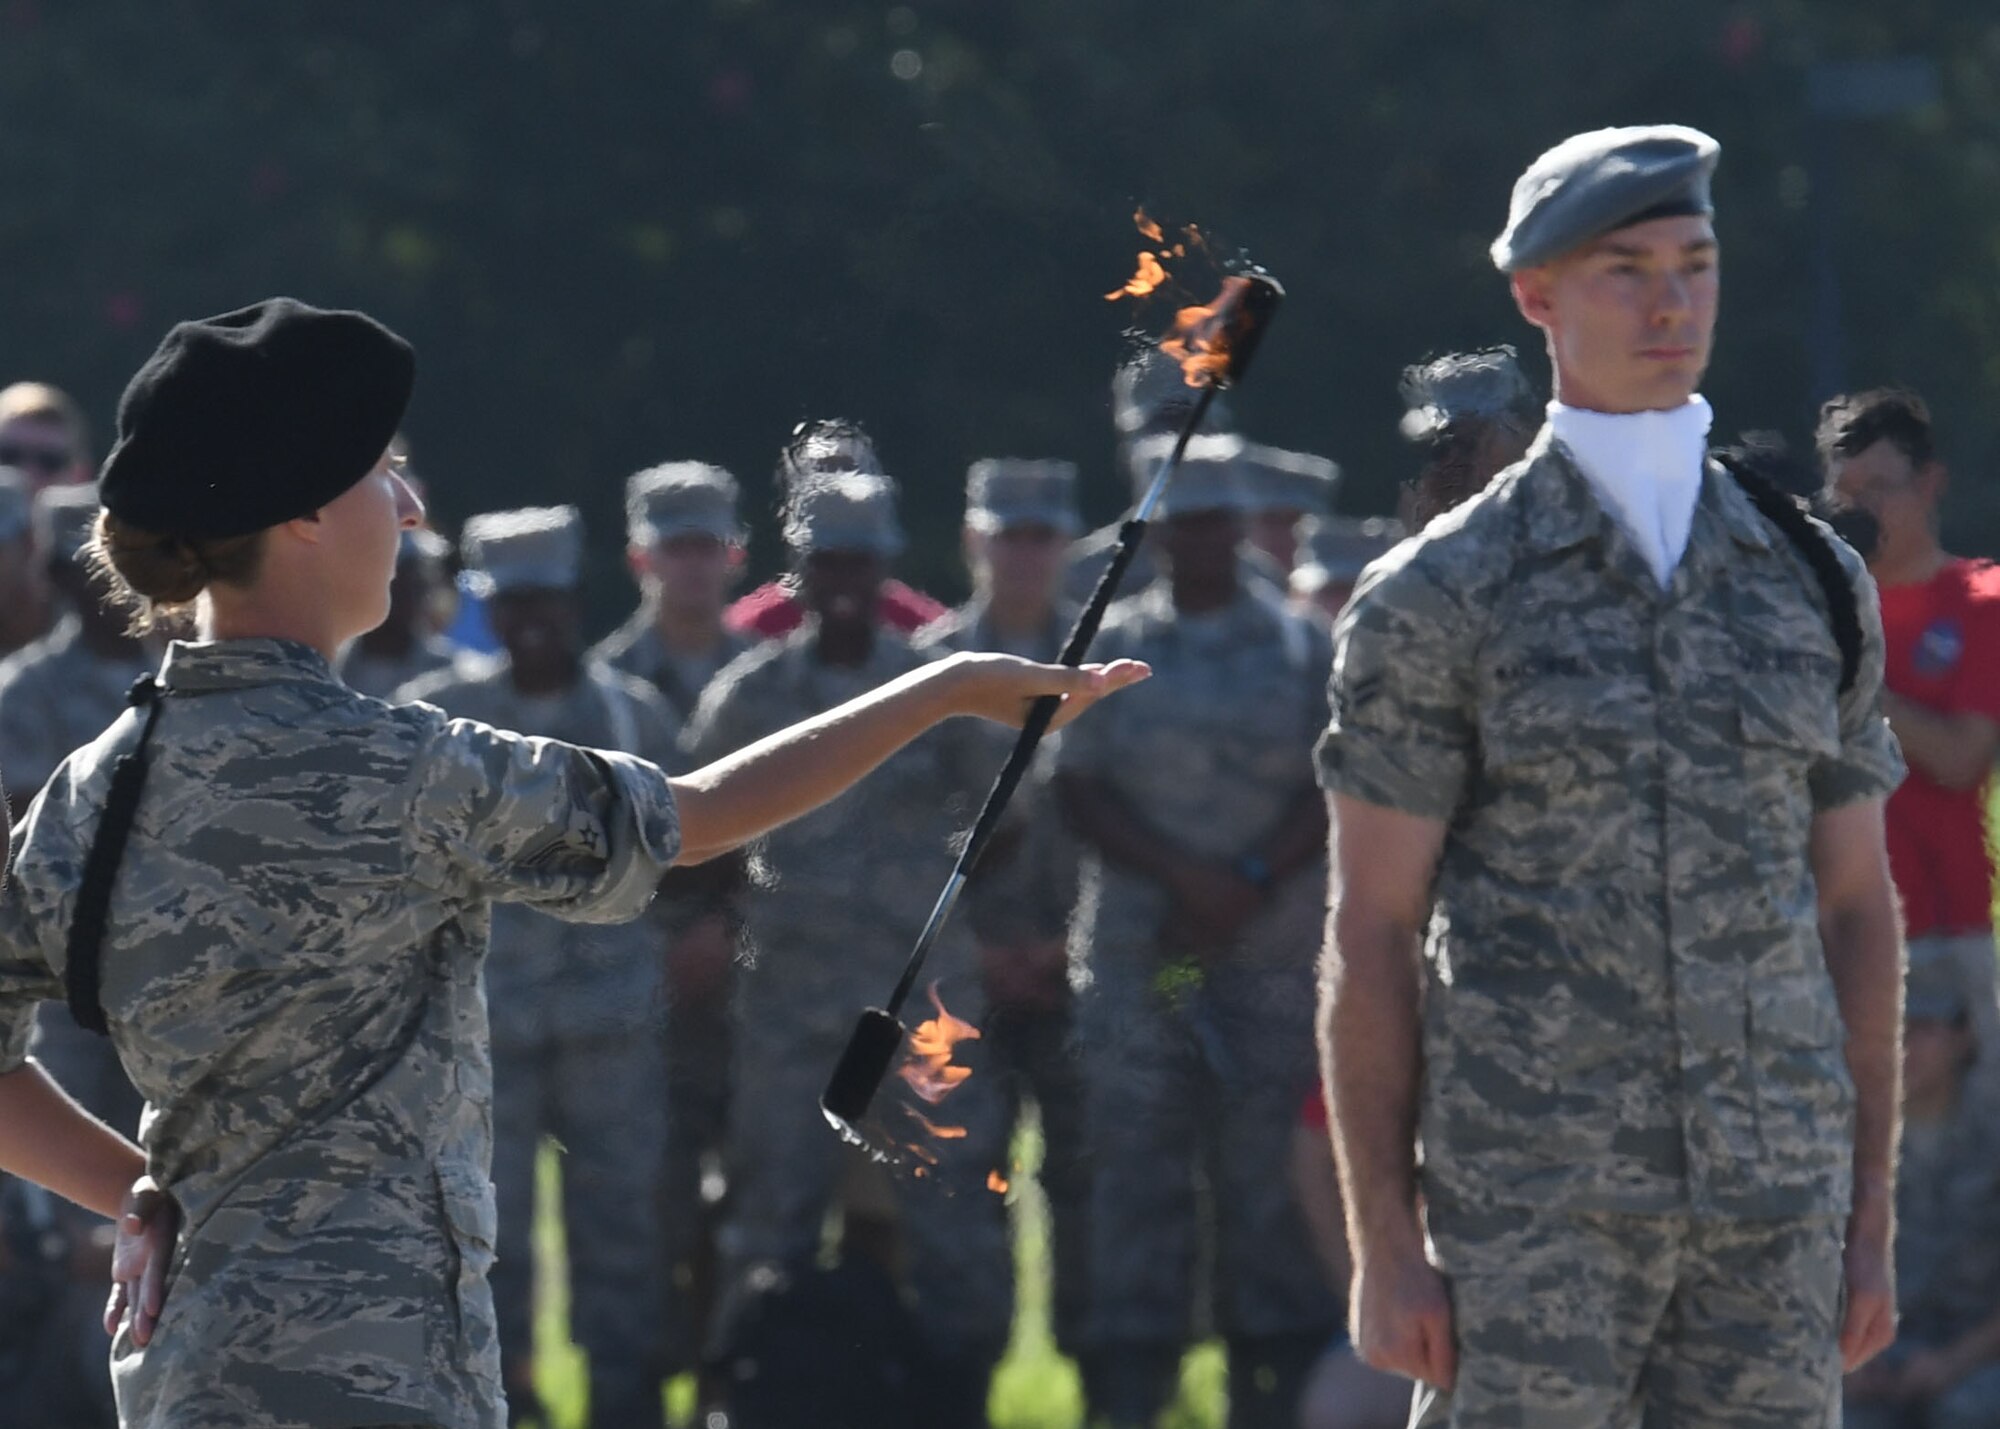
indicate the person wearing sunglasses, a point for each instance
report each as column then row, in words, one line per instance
column 43, row 435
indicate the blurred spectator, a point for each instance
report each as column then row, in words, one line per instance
column 1470, row 415
column 830, row 445
column 1335, row 550
column 1941, row 627
column 1019, row 518
column 684, row 545
column 1285, row 489
column 406, row 644
column 1943, row 1372
column 25, row 605
column 55, row 1359
column 43, row 435
column 576, row 1008
column 1150, row 402
column 56, row 694
column 846, row 891
column 1204, row 892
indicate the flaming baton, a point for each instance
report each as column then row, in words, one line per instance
column 1213, row 344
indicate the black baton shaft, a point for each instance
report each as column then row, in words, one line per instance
column 1043, row 711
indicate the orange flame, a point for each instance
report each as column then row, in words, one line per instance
column 942, row 1133
column 996, row 1183
column 1200, row 339
column 929, row 1070
column 1149, row 277
column 1146, row 226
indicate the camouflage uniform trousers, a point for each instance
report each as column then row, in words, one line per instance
column 1035, row 1055
column 697, row 1061
column 786, row 1166
column 1588, row 1320
column 1196, row 1075
column 1975, row 955
column 1972, row 1403
column 599, row 1098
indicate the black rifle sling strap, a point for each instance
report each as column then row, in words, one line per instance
column 1842, row 606
column 83, row 964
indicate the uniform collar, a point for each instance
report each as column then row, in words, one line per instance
column 1564, row 511
column 195, row 667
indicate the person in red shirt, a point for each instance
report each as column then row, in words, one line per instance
column 773, row 609
column 1941, row 626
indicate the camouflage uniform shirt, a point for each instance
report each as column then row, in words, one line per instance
column 637, row 649
column 373, row 675
column 292, row 977
column 1628, row 1007
column 547, row 977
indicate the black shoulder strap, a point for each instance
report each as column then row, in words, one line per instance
column 83, row 965
column 1842, row 605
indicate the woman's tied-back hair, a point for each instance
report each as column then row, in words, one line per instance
column 159, row 576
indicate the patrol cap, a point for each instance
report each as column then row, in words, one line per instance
column 64, row 516
column 1004, row 492
column 1145, row 455
column 1339, row 548
column 532, row 548
column 1934, row 989
column 828, row 444
column 251, row 418
column 1209, row 478
column 843, row 511
column 1149, row 394
column 1484, row 385
column 1280, row 480
column 16, row 504
column 679, row 497
column 1596, row 183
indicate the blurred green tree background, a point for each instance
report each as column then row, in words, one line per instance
column 624, row 232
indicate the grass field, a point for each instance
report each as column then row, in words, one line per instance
column 1036, row 1387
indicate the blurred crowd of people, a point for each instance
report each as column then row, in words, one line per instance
column 1135, row 964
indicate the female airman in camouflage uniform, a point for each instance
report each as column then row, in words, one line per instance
column 286, row 948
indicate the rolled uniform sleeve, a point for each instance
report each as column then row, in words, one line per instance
column 1401, row 732
column 583, row 834
column 1869, row 764
column 26, row 981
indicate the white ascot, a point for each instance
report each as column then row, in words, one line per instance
column 1645, row 468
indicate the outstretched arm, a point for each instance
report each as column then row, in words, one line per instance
column 747, row 794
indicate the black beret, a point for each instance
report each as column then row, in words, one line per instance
column 256, row 417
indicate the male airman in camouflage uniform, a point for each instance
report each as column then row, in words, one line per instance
column 1943, row 1372
column 1019, row 515
column 406, row 645
column 842, row 895
column 577, row 1011
column 1594, row 731
column 685, row 544
column 1204, row 889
